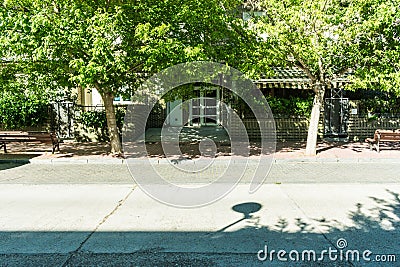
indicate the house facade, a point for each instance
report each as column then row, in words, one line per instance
column 205, row 106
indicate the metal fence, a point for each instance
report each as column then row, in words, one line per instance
column 63, row 119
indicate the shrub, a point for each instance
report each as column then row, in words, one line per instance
column 292, row 106
column 96, row 120
column 19, row 109
column 379, row 106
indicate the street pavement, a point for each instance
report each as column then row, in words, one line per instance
column 68, row 214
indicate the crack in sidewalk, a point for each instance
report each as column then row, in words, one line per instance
column 311, row 221
column 120, row 203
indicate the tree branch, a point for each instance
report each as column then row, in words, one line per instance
column 321, row 70
column 302, row 65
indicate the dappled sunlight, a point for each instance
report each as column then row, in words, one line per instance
column 190, row 143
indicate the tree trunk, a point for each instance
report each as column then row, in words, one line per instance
column 312, row 136
column 108, row 99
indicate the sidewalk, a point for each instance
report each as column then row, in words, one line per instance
column 285, row 152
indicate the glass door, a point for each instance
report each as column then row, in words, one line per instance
column 204, row 110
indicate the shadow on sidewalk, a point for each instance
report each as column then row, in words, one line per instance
column 191, row 150
column 374, row 229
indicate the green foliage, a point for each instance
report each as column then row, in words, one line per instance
column 107, row 45
column 292, row 106
column 329, row 38
column 379, row 106
column 19, row 110
column 187, row 91
column 378, row 43
column 96, row 120
column 280, row 107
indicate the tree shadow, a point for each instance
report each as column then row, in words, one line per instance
column 14, row 160
column 388, row 146
column 328, row 146
column 84, row 149
column 5, row 165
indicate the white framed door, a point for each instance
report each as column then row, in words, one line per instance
column 205, row 110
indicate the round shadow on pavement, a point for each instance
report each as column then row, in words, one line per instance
column 247, row 208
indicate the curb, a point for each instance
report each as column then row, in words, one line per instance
column 165, row 161
column 63, row 161
column 338, row 160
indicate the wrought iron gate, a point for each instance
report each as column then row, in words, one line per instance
column 336, row 115
column 62, row 119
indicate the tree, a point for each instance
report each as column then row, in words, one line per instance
column 108, row 45
column 378, row 46
column 327, row 38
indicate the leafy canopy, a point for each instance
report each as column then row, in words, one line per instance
column 108, row 45
column 328, row 38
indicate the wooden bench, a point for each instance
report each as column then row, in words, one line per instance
column 19, row 136
column 381, row 136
